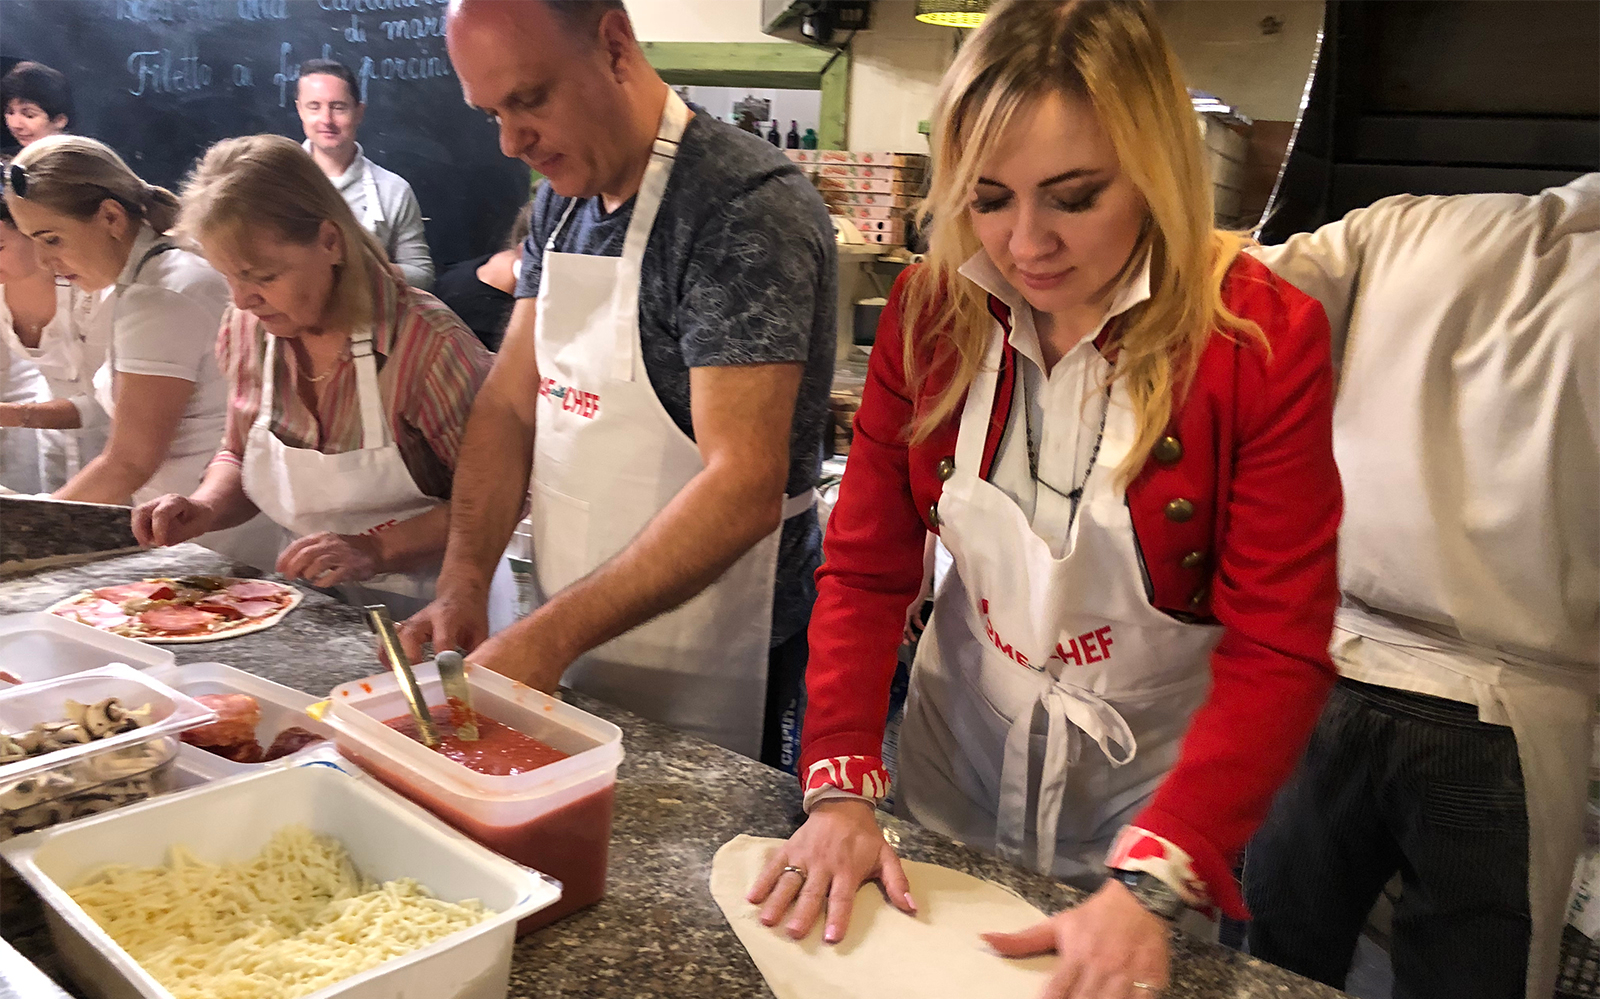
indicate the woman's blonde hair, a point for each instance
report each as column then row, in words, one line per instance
column 242, row 184
column 75, row 175
column 1113, row 55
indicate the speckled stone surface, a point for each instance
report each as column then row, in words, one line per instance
column 32, row 529
column 657, row 933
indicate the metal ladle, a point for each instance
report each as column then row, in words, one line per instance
column 389, row 643
column 453, row 677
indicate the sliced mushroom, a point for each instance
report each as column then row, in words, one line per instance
column 76, row 712
column 107, row 718
column 74, row 733
column 140, row 716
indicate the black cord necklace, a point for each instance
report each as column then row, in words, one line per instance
column 1075, row 495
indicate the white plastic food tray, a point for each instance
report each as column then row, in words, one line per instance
column 44, row 701
column 387, row 836
column 281, row 707
column 39, row 646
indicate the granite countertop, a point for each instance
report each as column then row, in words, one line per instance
column 657, row 933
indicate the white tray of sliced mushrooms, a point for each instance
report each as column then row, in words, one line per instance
column 87, row 742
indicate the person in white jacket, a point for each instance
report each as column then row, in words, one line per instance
column 47, row 361
column 1455, row 749
column 328, row 97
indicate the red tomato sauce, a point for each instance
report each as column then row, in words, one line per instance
column 498, row 751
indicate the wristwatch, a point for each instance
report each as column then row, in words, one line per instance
column 1152, row 892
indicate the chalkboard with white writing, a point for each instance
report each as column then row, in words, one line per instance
column 160, row 80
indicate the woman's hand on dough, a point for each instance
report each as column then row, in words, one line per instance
column 839, row 849
column 1105, row 945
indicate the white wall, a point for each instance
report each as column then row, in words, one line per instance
column 697, row 20
column 1223, row 50
column 894, row 78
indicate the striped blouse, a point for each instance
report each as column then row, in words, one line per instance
column 430, row 367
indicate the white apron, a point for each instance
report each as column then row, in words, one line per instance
column 1047, row 682
column 607, row 459
column 372, row 218
column 67, row 358
column 305, row 491
column 1551, row 711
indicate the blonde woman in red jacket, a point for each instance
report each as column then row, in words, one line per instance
column 1121, row 430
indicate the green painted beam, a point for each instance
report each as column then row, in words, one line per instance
column 758, row 57
column 762, row 66
column 833, row 131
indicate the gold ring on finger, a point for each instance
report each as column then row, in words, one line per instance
column 791, row 869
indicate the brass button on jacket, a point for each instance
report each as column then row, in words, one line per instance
column 933, row 514
column 1179, row 511
column 1193, row 560
column 947, row 468
column 1199, row 597
column 1168, row 450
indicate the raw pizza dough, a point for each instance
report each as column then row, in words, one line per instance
column 886, row 954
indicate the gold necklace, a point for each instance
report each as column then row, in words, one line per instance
column 338, row 361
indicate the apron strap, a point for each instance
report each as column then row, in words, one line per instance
column 160, row 247
column 374, row 433
column 974, row 429
column 794, row 506
column 269, row 377
column 369, row 187
column 1070, row 711
column 646, row 205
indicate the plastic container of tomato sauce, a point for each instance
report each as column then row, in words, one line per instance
column 555, row 819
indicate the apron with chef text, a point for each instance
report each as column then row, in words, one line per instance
column 607, row 459
column 1048, row 698
column 305, row 491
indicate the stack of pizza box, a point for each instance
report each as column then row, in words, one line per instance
column 876, row 191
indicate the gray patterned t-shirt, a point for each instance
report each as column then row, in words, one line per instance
column 739, row 270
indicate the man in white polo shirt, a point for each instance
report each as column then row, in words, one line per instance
column 329, row 101
column 1455, row 748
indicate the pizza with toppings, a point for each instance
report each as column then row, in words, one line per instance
column 183, row 609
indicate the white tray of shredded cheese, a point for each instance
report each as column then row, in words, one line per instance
column 283, row 821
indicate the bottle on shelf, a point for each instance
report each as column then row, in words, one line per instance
column 792, row 140
column 773, row 136
column 809, row 140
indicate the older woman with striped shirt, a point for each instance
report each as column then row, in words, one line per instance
column 348, row 391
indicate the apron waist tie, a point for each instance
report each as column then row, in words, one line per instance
column 1070, row 711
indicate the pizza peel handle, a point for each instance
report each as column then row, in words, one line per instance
column 389, row 642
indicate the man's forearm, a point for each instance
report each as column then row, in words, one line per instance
column 412, row 543
column 706, row 528
column 491, row 482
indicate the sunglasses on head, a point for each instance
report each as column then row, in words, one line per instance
column 18, row 180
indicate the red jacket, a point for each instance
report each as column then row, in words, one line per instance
column 1253, row 458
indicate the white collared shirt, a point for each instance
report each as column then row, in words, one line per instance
column 1465, row 331
column 1066, row 406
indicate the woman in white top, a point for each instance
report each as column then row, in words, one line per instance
column 42, row 331
column 95, row 223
